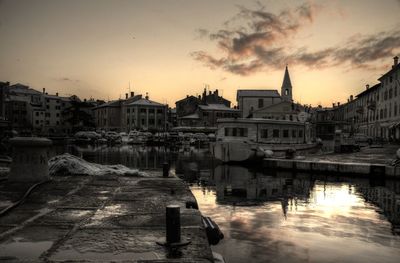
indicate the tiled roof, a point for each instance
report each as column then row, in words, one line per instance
column 145, row 102
column 220, row 107
column 258, row 93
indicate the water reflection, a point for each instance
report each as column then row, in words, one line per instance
column 285, row 217
column 276, row 216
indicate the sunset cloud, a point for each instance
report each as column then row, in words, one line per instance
column 266, row 43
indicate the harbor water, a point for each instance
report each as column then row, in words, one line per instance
column 269, row 216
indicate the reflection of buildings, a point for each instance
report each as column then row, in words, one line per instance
column 195, row 165
column 236, row 184
column 386, row 198
column 140, row 157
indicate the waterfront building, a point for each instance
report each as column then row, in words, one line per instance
column 389, row 105
column 375, row 112
column 143, row 114
column 132, row 113
column 108, row 115
column 204, row 111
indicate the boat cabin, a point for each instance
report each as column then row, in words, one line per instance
column 258, row 130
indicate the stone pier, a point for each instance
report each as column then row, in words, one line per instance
column 100, row 219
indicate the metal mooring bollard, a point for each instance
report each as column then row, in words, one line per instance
column 173, row 228
column 173, row 223
column 165, row 169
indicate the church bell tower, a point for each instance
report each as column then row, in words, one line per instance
column 286, row 90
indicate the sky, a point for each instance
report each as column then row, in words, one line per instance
column 173, row 48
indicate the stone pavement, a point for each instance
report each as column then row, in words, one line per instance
column 98, row 219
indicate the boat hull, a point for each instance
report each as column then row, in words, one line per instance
column 243, row 151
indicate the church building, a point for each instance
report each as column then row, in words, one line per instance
column 269, row 104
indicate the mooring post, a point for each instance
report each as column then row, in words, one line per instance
column 29, row 159
column 165, row 169
column 173, row 222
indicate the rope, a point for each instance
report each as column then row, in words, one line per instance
column 20, row 201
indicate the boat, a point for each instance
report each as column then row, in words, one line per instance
column 86, row 137
column 250, row 139
column 137, row 137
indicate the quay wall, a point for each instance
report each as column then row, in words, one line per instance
column 361, row 169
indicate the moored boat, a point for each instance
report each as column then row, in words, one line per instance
column 240, row 140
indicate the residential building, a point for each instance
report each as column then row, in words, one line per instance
column 374, row 112
column 108, row 115
column 144, row 114
column 389, row 104
column 132, row 113
column 203, row 111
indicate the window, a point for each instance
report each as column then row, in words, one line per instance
column 264, row 133
column 58, row 115
column 275, row 133
column 300, row 133
column 205, row 114
column 286, row 92
column 236, row 132
column 142, row 121
column 37, row 113
column 390, row 93
column 127, row 121
column 37, row 121
column 142, row 110
column 151, row 110
column 159, row 111
column 227, row 132
column 159, row 121
column 260, row 103
column 294, row 133
column 152, row 121
column 285, row 133
column 128, row 110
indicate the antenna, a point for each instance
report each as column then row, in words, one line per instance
column 129, row 87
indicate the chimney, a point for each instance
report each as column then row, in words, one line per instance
column 351, row 97
column 132, row 93
column 126, row 95
column 338, row 104
column 209, row 92
column 395, row 61
column 333, row 105
column 57, row 94
column 367, row 86
column 147, row 96
column 44, row 90
column 187, row 96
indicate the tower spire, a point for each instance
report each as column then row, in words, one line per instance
column 286, row 89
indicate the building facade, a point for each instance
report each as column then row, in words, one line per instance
column 203, row 111
column 374, row 112
column 144, row 114
column 252, row 100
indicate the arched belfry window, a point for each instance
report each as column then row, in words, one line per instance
column 286, row 92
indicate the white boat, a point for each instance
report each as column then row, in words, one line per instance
column 240, row 140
